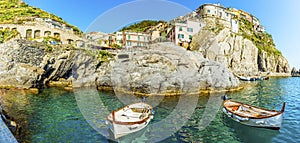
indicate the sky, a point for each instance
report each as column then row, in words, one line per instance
column 280, row 18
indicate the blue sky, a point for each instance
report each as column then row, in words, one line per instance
column 281, row 18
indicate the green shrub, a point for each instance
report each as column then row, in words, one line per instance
column 116, row 46
column 7, row 34
column 142, row 26
column 104, row 56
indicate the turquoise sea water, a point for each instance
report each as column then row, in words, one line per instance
column 56, row 116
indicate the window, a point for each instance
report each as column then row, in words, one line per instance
column 190, row 37
column 180, row 28
column 139, row 38
column 208, row 11
column 180, row 36
column 128, row 37
column 128, row 43
column 190, row 29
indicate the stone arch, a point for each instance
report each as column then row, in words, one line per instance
column 57, row 35
column 37, row 33
column 1, row 28
column 70, row 41
column 79, row 43
column 28, row 33
column 47, row 33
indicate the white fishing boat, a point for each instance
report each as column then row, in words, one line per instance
column 253, row 116
column 129, row 119
column 253, row 78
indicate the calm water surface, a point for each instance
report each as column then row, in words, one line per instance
column 54, row 116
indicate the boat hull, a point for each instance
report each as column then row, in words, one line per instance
column 270, row 122
column 120, row 130
column 129, row 119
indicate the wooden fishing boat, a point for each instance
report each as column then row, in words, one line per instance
column 253, row 116
column 129, row 119
column 246, row 78
column 252, row 78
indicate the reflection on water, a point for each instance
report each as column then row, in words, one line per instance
column 55, row 116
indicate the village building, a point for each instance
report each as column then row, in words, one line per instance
column 182, row 32
column 231, row 15
column 135, row 39
column 158, row 33
column 39, row 28
column 184, row 27
column 128, row 39
column 97, row 39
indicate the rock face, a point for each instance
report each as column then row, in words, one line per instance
column 160, row 69
column 295, row 72
column 27, row 65
column 20, row 67
column 239, row 54
column 165, row 68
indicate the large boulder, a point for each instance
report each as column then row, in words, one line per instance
column 166, row 68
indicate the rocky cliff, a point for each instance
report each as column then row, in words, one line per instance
column 161, row 69
column 247, row 52
column 295, row 72
column 27, row 64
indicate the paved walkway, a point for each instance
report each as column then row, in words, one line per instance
column 5, row 135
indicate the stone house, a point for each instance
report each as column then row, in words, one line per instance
column 40, row 28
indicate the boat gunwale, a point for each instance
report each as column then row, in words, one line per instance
column 254, row 78
column 129, row 123
column 251, row 117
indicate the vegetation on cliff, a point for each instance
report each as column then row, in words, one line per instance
column 17, row 12
column 217, row 27
column 7, row 34
column 101, row 55
column 263, row 41
column 142, row 26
